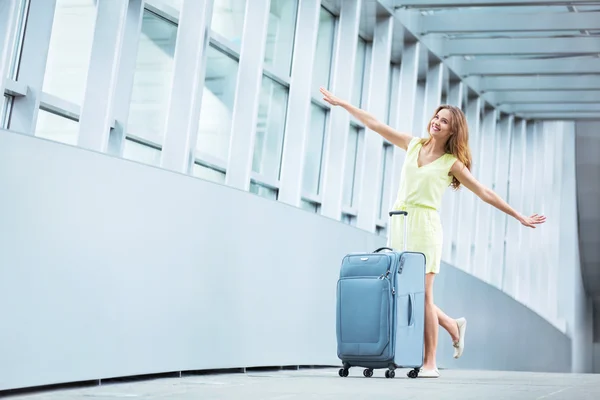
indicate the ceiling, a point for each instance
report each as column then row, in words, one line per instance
column 536, row 59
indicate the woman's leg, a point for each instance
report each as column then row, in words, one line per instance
column 447, row 323
column 431, row 325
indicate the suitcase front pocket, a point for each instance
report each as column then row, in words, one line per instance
column 364, row 317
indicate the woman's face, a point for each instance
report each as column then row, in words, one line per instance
column 440, row 125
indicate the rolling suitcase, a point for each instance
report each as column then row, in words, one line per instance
column 380, row 311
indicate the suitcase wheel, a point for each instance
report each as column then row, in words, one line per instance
column 368, row 373
column 413, row 373
column 390, row 373
column 343, row 372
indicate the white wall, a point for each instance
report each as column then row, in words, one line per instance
column 113, row 268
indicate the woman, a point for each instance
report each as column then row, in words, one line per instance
column 431, row 165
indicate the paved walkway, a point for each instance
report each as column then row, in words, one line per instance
column 325, row 384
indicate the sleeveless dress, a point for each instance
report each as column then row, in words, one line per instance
column 420, row 194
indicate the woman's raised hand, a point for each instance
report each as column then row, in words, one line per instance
column 329, row 97
column 533, row 220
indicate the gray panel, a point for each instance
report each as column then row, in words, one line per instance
column 114, row 268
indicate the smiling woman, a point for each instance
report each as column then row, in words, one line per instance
column 432, row 164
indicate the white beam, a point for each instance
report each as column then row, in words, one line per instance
column 371, row 173
column 550, row 108
column 562, row 116
column 339, row 119
column 544, row 96
column 463, row 236
column 407, row 93
column 8, row 16
column 539, row 82
column 97, row 106
column 508, row 22
column 520, row 46
column 449, row 209
column 575, row 65
column 34, row 56
column 433, row 94
column 299, row 102
column 480, row 3
column 189, row 65
column 247, row 93
column 125, row 78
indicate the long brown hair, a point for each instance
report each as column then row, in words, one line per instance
column 458, row 142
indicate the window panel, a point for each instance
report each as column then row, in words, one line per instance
column 263, row 191
column 207, row 173
column 310, row 206
column 352, row 151
column 324, row 50
column 349, row 219
column 136, row 151
column 268, row 144
column 359, row 72
column 70, row 48
column 280, row 35
column 216, row 114
column 57, row 128
column 18, row 39
column 313, row 156
column 228, row 19
column 152, row 79
column 5, row 111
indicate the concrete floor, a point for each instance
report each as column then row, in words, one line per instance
column 325, row 384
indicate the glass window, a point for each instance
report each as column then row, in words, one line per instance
column 57, row 128
column 207, row 173
column 352, row 150
column 152, row 80
column 386, row 179
column 280, row 35
column 388, row 102
column 136, row 151
column 310, row 206
column 324, row 51
column 263, row 191
column 228, row 19
column 359, row 72
column 5, row 111
column 349, row 219
column 313, row 156
column 70, row 49
column 268, row 143
column 216, row 114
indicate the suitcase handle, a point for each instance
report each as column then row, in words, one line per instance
column 383, row 248
column 389, row 239
column 411, row 319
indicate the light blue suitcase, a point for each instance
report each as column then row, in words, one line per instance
column 381, row 310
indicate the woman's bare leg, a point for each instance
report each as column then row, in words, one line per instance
column 431, row 325
column 449, row 324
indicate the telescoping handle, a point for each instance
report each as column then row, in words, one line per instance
column 392, row 213
column 389, row 239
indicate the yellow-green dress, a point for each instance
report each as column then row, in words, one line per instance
column 420, row 194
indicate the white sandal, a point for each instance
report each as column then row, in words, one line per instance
column 459, row 345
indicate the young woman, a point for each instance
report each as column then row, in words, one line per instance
column 431, row 165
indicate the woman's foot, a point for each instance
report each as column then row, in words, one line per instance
column 429, row 373
column 459, row 345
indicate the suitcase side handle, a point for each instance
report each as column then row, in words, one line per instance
column 411, row 299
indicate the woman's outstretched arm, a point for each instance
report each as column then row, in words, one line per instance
column 398, row 138
column 465, row 177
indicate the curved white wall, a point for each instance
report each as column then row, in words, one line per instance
column 112, row 268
